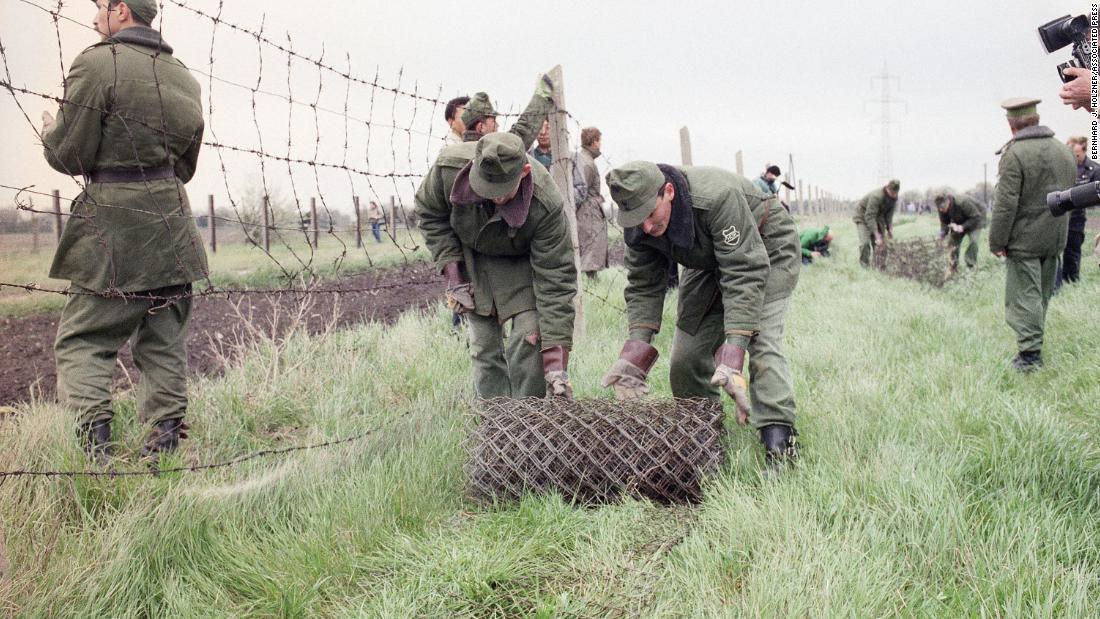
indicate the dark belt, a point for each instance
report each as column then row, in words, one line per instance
column 132, row 175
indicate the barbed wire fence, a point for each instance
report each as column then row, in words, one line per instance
column 314, row 144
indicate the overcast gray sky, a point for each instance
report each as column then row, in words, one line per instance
column 766, row 78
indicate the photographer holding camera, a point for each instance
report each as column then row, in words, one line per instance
column 1077, row 74
column 1078, row 91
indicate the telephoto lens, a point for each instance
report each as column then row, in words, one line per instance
column 1079, row 197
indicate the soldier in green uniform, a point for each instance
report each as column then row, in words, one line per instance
column 131, row 124
column 875, row 219
column 481, row 119
column 740, row 250
column 960, row 217
column 495, row 226
column 1022, row 230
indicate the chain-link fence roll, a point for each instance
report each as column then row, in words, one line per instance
column 594, row 450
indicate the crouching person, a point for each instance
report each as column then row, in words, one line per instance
column 495, row 226
column 733, row 301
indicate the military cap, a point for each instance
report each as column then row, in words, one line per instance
column 478, row 106
column 144, row 10
column 894, row 184
column 1020, row 106
column 634, row 187
column 498, row 165
column 941, row 198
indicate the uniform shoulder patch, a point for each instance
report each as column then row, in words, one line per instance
column 731, row 235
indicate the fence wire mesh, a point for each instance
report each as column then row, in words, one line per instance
column 921, row 260
column 594, row 450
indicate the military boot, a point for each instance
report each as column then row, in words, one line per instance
column 779, row 443
column 97, row 440
column 1027, row 361
column 164, row 437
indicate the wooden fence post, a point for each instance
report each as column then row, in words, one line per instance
column 34, row 225
column 213, row 227
column 561, row 169
column 358, row 222
column 391, row 219
column 267, row 224
column 313, row 219
column 685, row 146
column 57, row 213
column 740, row 164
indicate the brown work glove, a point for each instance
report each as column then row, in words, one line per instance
column 730, row 361
column 555, row 361
column 460, row 296
column 629, row 372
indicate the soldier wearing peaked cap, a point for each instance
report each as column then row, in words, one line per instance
column 740, row 250
column 875, row 219
column 480, row 118
column 495, row 226
column 131, row 124
column 1022, row 230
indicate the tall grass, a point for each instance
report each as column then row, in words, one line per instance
column 935, row 481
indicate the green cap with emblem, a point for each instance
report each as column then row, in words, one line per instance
column 1020, row 106
column 893, row 185
column 143, row 10
column 634, row 187
column 479, row 105
column 498, row 165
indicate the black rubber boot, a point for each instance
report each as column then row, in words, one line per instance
column 1027, row 361
column 779, row 443
column 164, row 437
column 97, row 440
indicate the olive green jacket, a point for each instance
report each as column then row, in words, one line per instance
column 511, row 270
column 129, row 105
column 876, row 211
column 966, row 212
column 780, row 236
column 727, row 262
column 1032, row 165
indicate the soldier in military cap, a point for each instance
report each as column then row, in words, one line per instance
column 960, row 216
column 131, row 124
column 1022, row 230
column 740, row 250
column 481, row 119
column 495, row 226
column 875, row 219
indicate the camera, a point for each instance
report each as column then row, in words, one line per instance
column 1064, row 31
column 1077, row 198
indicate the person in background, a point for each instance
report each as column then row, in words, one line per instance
column 815, row 243
column 591, row 220
column 375, row 215
column 541, row 150
column 453, row 115
column 1087, row 171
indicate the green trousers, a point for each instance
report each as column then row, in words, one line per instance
column 954, row 244
column 1029, row 282
column 89, row 336
column 866, row 245
column 771, row 392
column 508, row 366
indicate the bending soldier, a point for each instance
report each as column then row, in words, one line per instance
column 495, row 226
column 875, row 220
column 731, row 301
column 960, row 216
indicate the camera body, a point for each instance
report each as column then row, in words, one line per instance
column 1080, row 197
column 1066, row 30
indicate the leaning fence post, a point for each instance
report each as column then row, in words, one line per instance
column 313, row 219
column 358, row 222
column 685, row 146
column 213, row 227
column 391, row 219
column 34, row 226
column 561, row 169
column 267, row 224
column 740, row 162
column 57, row 213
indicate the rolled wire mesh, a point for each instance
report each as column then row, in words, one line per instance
column 922, row 260
column 594, row 450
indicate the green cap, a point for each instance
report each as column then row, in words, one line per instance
column 634, row 187
column 893, row 185
column 479, row 105
column 1021, row 106
column 498, row 165
column 940, row 199
column 144, row 10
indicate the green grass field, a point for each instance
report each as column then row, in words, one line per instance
column 235, row 264
column 935, row 482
